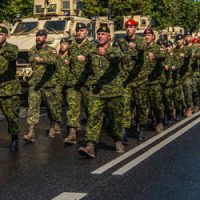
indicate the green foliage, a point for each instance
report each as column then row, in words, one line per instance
column 9, row 9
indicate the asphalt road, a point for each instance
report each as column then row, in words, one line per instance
column 163, row 167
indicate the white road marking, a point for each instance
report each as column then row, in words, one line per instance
column 70, row 196
column 138, row 148
column 154, row 149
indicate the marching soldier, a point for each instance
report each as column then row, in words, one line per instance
column 77, row 92
column 172, row 88
column 42, row 86
column 106, row 94
column 63, row 68
column 135, row 90
column 10, row 87
column 186, row 72
column 153, row 60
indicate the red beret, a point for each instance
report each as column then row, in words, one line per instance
column 130, row 22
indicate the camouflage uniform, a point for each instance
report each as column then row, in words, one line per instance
column 172, row 89
column 62, row 76
column 186, row 73
column 106, row 94
column 135, row 92
column 10, row 87
column 156, row 79
column 76, row 92
column 196, row 74
column 42, row 85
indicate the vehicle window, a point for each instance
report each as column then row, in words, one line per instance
column 51, row 8
column 25, row 27
column 55, row 26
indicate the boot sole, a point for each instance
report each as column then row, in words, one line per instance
column 70, row 142
column 29, row 140
column 85, row 154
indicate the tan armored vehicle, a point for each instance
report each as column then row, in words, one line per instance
column 170, row 32
column 58, row 18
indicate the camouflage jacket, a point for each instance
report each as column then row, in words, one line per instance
column 106, row 80
column 186, row 61
column 44, row 74
column 79, row 70
column 195, row 60
column 172, row 76
column 9, row 82
column 129, row 54
column 62, row 70
column 154, row 68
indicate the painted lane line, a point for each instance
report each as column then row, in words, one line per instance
column 131, row 152
column 154, row 149
column 70, row 196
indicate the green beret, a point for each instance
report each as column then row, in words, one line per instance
column 66, row 40
column 41, row 32
column 80, row 26
column 103, row 28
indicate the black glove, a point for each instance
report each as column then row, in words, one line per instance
column 96, row 89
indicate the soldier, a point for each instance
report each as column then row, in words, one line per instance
column 196, row 64
column 63, row 69
column 76, row 88
column 193, row 63
column 172, row 89
column 10, row 87
column 186, row 72
column 42, row 86
column 154, row 57
column 135, row 90
column 105, row 94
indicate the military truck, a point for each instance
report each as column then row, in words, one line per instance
column 170, row 33
column 58, row 18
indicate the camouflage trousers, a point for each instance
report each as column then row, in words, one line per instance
column 187, row 84
column 168, row 101
column 75, row 99
column 195, row 90
column 135, row 101
column 10, row 108
column 113, row 109
column 48, row 95
column 178, row 98
column 155, row 93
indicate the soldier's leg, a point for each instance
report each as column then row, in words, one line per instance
column 169, row 105
column 156, row 97
column 74, row 99
column 49, row 97
column 195, row 94
column 10, row 108
column 127, row 110
column 33, row 114
column 142, row 109
column 93, row 127
column 115, row 115
column 187, row 89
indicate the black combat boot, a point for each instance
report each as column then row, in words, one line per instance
column 168, row 120
column 178, row 116
column 141, row 134
column 125, row 136
column 14, row 143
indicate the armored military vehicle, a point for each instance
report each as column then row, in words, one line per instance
column 58, row 18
